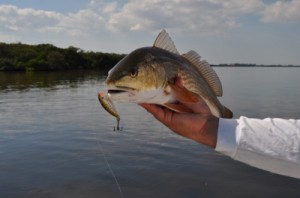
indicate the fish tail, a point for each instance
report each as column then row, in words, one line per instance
column 227, row 113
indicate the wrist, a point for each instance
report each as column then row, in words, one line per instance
column 207, row 134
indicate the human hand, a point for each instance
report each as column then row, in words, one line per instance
column 199, row 125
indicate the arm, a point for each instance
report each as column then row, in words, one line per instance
column 269, row 144
column 201, row 127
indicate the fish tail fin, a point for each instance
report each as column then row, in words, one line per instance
column 227, row 113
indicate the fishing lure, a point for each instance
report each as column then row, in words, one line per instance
column 108, row 105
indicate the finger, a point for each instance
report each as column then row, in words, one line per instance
column 149, row 107
column 181, row 123
column 162, row 114
column 157, row 111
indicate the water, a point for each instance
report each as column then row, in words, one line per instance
column 54, row 135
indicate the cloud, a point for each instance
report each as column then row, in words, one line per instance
column 103, row 17
column 122, row 25
column 13, row 18
column 83, row 22
column 146, row 15
column 110, row 7
column 282, row 11
column 180, row 14
column 201, row 15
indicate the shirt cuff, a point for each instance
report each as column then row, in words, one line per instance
column 227, row 137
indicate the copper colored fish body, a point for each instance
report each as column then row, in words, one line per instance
column 153, row 75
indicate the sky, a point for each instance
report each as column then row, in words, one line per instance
column 231, row 31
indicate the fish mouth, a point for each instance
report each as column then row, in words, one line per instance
column 115, row 91
column 120, row 90
column 122, row 94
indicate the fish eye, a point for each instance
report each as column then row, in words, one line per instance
column 133, row 73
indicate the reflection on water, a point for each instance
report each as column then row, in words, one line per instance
column 27, row 80
column 52, row 129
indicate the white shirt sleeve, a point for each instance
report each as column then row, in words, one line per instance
column 269, row 144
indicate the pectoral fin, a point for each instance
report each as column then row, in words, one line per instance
column 183, row 95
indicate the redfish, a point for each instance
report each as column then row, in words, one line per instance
column 153, row 75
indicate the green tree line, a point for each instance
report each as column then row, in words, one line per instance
column 23, row 57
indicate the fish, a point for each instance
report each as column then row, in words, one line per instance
column 160, row 75
column 107, row 104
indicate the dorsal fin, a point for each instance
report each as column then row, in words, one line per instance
column 206, row 71
column 164, row 41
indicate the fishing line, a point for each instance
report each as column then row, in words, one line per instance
column 110, row 169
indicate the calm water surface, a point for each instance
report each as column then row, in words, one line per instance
column 54, row 135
